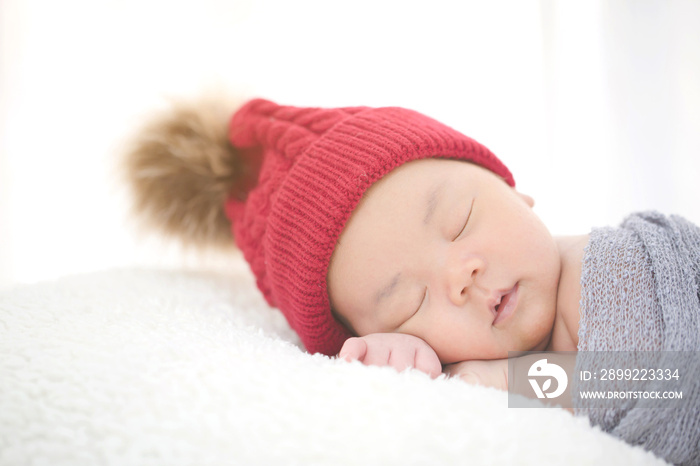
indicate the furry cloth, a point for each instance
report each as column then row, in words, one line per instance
column 154, row 367
column 640, row 291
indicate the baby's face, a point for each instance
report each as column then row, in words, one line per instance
column 447, row 251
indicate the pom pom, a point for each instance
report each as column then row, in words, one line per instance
column 180, row 168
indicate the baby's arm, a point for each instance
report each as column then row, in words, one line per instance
column 488, row 373
column 402, row 351
column 397, row 350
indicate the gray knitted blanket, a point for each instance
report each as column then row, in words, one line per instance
column 640, row 288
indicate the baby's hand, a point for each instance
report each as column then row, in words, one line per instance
column 493, row 373
column 397, row 350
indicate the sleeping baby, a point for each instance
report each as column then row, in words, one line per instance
column 385, row 236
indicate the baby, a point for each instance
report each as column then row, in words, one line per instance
column 385, row 236
column 445, row 253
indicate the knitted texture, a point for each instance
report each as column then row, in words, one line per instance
column 640, row 288
column 313, row 165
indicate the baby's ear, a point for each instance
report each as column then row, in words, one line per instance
column 528, row 199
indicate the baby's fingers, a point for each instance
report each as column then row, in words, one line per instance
column 368, row 352
column 353, row 348
column 402, row 360
column 427, row 361
column 423, row 358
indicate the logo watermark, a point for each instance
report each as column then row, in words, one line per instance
column 603, row 379
column 549, row 371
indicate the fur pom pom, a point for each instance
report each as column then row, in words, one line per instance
column 180, row 169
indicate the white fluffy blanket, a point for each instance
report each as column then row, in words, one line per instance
column 152, row 367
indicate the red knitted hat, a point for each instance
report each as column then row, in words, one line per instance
column 313, row 165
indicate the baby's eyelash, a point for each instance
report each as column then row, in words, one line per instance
column 471, row 208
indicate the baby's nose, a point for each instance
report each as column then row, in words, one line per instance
column 461, row 275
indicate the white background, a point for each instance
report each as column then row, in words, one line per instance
column 595, row 105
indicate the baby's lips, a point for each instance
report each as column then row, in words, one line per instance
column 495, row 299
column 507, row 305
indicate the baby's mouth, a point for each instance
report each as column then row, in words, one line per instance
column 506, row 305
